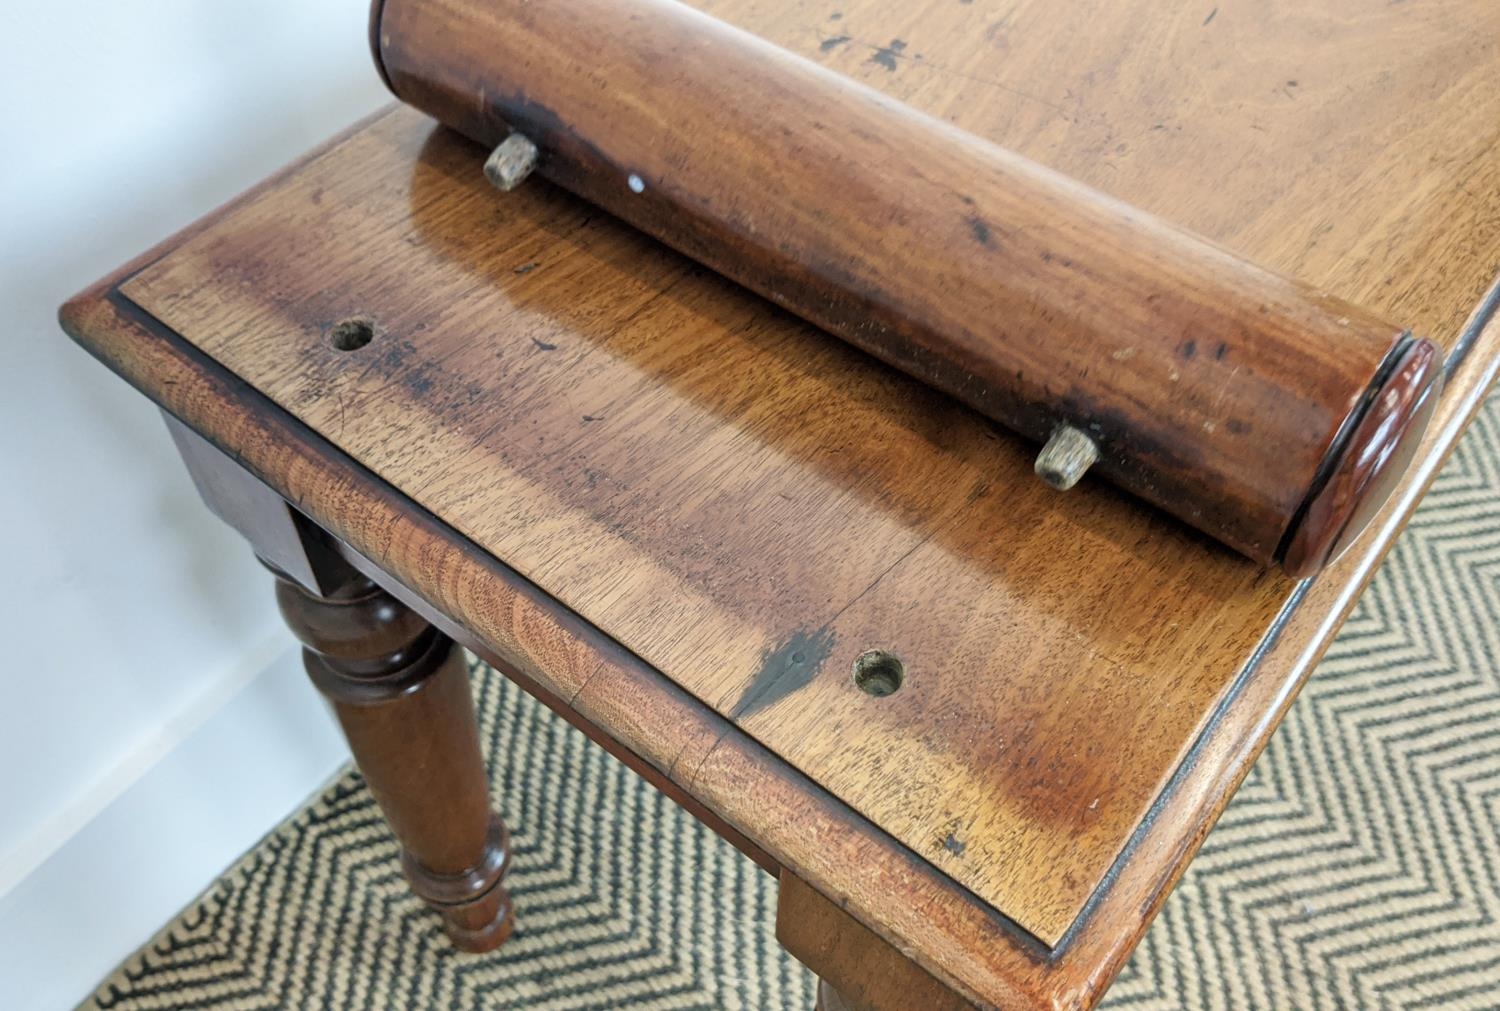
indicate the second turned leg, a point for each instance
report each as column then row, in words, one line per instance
column 857, row 969
column 401, row 693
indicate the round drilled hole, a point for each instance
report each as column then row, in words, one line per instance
column 351, row 334
column 878, row 673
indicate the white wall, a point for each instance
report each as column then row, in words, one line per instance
column 129, row 616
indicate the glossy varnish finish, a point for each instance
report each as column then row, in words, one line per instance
column 743, row 502
column 1040, row 638
column 798, row 825
column 857, row 970
column 1213, row 388
column 399, row 688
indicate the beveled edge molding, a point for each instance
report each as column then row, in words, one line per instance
column 968, row 945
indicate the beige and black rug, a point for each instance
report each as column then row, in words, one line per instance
column 1356, row 870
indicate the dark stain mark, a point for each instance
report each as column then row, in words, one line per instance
column 1220, row 352
column 317, row 196
column 419, row 382
column 981, row 231
column 1211, row 15
column 1237, row 426
column 836, row 15
column 526, row 268
column 784, row 670
column 593, row 417
column 1189, row 350
column 833, row 42
column 954, row 845
column 886, row 56
column 417, row 376
column 542, row 345
column 396, row 355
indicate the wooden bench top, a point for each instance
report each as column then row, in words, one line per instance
column 736, row 506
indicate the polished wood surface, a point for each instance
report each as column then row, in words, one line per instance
column 599, row 685
column 743, row 502
column 829, row 999
column 1107, row 632
column 857, row 969
column 400, row 690
column 280, row 536
column 1218, row 391
column 748, row 543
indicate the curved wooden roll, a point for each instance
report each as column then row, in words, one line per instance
column 1272, row 416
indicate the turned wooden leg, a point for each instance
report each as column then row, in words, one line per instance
column 401, row 692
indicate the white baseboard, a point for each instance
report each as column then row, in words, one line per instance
column 49, row 836
column 116, row 862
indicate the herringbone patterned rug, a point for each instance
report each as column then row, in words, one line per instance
column 1357, row 869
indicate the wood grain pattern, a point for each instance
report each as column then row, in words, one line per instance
column 279, row 536
column 832, row 515
column 400, row 691
column 857, row 969
column 1413, row 193
column 1216, row 390
column 745, row 503
column 600, row 686
column 1348, row 143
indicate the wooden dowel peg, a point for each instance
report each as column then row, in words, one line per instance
column 511, row 162
column 1068, row 454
